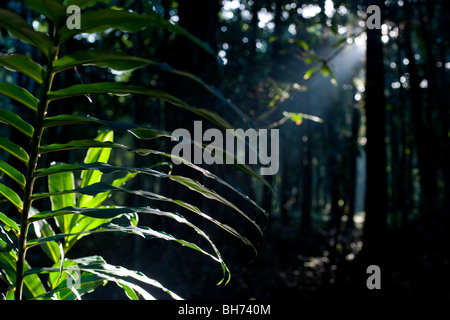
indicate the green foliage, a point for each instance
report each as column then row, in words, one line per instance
column 80, row 203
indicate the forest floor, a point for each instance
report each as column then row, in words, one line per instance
column 331, row 265
column 326, row 266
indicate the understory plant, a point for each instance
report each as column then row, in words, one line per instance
column 78, row 193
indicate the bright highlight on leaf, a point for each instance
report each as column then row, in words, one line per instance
column 11, row 196
column 19, row 94
column 80, row 198
column 21, row 30
column 298, row 117
column 23, row 64
column 14, row 150
column 16, row 122
column 12, row 173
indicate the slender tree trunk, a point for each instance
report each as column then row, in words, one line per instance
column 376, row 190
column 336, row 213
column 352, row 168
column 405, row 192
column 323, row 20
column 443, row 81
column 404, row 195
column 305, row 222
column 284, row 193
column 253, row 35
column 278, row 31
column 435, row 96
column 334, row 175
column 394, row 181
column 424, row 138
column 266, row 202
column 277, row 74
column 200, row 19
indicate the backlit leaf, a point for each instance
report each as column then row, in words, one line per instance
column 61, row 182
column 83, row 4
column 14, row 150
column 9, row 222
column 109, row 213
column 11, row 196
column 120, row 61
column 21, row 30
column 52, row 248
column 310, row 72
column 104, row 19
column 102, row 188
column 141, row 132
column 102, row 58
column 52, row 9
column 95, row 155
column 20, row 95
column 120, row 89
column 17, row 122
column 12, row 173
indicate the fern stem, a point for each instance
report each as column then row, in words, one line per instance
column 32, row 163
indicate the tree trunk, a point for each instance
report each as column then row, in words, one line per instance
column 305, row 222
column 352, row 168
column 375, row 104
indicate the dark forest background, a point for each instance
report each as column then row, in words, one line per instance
column 363, row 116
